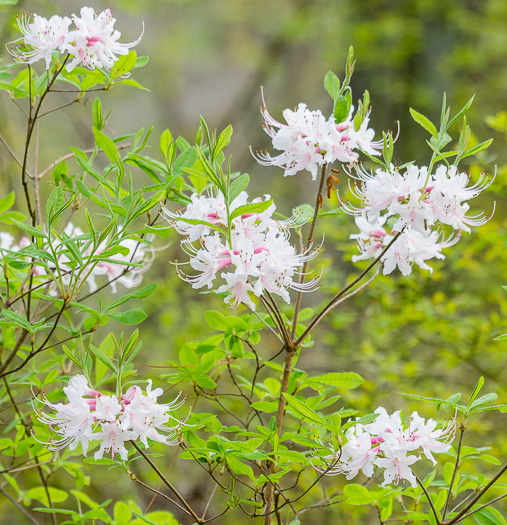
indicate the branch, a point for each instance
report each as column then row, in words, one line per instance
column 477, row 497
column 19, row 506
column 308, row 243
column 455, row 471
column 484, row 506
column 434, row 510
column 330, row 304
column 167, row 483
column 33, row 352
column 133, row 477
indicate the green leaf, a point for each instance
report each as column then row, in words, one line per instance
column 461, row 112
column 238, row 185
column 138, row 294
column 131, row 82
column 34, row 232
column 265, row 406
column 16, row 319
column 341, row 109
column 204, row 223
column 483, row 400
column 134, row 316
column 248, row 209
column 223, row 140
column 240, row 468
column 480, row 147
column 477, row 390
column 216, row 320
column 303, row 410
column 346, row 380
column 424, row 122
column 185, row 160
column 6, row 202
column 97, row 114
column 124, row 65
column 71, row 356
column 106, row 144
column 386, row 506
column 103, row 357
column 332, row 85
column 489, row 516
column 39, row 493
column 11, row 217
column 357, row 494
column 122, row 513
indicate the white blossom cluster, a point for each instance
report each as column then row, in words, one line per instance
column 113, row 268
column 92, row 43
column 309, row 140
column 253, row 257
column 92, row 416
column 417, row 205
column 388, row 445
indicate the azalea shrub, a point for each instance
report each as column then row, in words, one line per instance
column 267, row 439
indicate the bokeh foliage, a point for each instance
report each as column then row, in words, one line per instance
column 427, row 334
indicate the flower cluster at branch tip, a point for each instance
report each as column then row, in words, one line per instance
column 112, row 265
column 93, row 43
column 92, row 416
column 387, row 444
column 256, row 256
column 414, row 205
column 309, row 140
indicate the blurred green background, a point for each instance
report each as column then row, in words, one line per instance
column 430, row 334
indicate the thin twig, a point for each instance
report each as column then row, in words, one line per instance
column 27, row 434
column 455, row 471
column 133, row 477
column 344, row 290
column 11, row 152
column 430, row 501
column 167, row 483
column 484, row 506
column 477, row 497
column 209, row 501
column 308, row 244
column 18, row 506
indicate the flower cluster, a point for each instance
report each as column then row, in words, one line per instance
column 92, row 416
column 413, row 205
column 255, row 253
column 93, row 43
column 387, row 444
column 309, row 140
column 112, row 267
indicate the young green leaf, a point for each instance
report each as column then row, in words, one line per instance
column 332, row 85
column 303, row 410
column 424, row 122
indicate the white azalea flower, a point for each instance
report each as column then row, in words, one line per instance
column 92, row 416
column 386, row 443
column 256, row 257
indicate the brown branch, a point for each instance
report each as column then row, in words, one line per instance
column 316, row 320
column 477, row 497
column 308, row 244
column 44, row 480
column 455, row 471
column 430, row 501
column 167, row 483
column 484, row 506
column 18, row 506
